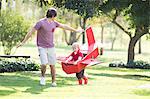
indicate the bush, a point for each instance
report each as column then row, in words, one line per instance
column 117, row 64
column 139, row 64
column 13, row 28
column 18, row 65
column 135, row 64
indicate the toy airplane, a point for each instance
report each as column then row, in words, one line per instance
column 88, row 60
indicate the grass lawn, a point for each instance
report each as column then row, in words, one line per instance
column 104, row 82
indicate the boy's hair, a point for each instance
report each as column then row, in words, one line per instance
column 76, row 44
column 51, row 12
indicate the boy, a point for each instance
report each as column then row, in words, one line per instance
column 76, row 56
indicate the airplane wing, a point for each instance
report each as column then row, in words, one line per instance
column 90, row 62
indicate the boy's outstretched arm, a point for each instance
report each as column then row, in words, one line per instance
column 28, row 35
column 79, row 59
column 68, row 59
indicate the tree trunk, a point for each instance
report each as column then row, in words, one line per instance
column 140, row 50
column 72, row 38
column 131, row 50
column 112, row 44
column 102, row 33
column 83, row 25
column 139, row 33
column 102, row 39
column 0, row 5
column 114, row 39
column 65, row 36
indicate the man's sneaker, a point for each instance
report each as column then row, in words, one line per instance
column 42, row 81
column 53, row 84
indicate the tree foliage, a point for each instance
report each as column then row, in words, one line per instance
column 85, row 8
column 42, row 3
column 13, row 28
column 136, row 14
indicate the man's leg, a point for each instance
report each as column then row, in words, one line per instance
column 43, row 70
column 44, row 61
column 53, row 74
column 52, row 62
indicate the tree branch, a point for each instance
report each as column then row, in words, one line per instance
column 78, row 36
column 128, row 33
column 66, row 36
column 113, row 20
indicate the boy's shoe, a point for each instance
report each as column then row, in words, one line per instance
column 54, row 84
column 85, row 80
column 80, row 81
column 42, row 81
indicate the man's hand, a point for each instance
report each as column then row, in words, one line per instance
column 80, row 31
column 20, row 44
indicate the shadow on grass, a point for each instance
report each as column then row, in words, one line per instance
column 117, row 69
column 25, row 82
column 6, row 92
column 142, row 92
column 12, row 82
column 133, row 77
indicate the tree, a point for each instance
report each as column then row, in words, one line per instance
column 114, row 34
column 85, row 8
column 13, row 28
column 136, row 13
column 42, row 3
column 0, row 5
column 72, row 19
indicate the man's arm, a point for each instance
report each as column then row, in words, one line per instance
column 66, row 27
column 28, row 35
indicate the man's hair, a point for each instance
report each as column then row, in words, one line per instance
column 51, row 12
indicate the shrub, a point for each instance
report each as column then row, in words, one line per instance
column 135, row 64
column 18, row 65
column 139, row 64
column 13, row 28
column 117, row 64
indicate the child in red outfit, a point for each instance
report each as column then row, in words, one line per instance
column 76, row 56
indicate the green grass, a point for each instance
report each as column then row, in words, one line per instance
column 104, row 82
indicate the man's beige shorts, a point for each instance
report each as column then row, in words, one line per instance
column 47, row 56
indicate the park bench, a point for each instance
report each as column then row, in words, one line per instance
column 14, row 56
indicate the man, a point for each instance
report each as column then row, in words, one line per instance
column 45, row 34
